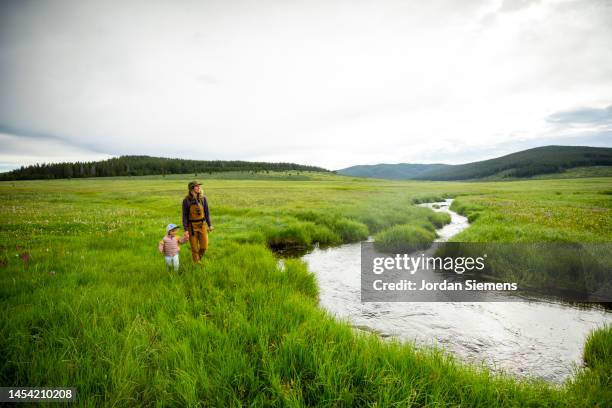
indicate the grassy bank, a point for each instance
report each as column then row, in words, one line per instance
column 576, row 220
column 87, row 302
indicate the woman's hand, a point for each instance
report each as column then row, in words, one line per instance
column 211, row 228
column 186, row 236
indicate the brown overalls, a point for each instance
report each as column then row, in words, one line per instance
column 198, row 230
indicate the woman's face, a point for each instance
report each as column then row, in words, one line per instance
column 197, row 189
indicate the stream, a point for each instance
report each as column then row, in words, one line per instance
column 537, row 338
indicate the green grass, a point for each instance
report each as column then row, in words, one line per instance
column 403, row 238
column 594, row 383
column 598, row 350
column 575, row 210
column 93, row 306
column 575, row 217
column 576, row 172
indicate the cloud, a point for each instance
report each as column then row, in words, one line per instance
column 22, row 151
column 330, row 83
column 515, row 5
column 29, row 136
column 583, row 116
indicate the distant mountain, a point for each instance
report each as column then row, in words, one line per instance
column 143, row 166
column 391, row 171
column 526, row 163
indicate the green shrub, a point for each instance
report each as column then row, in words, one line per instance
column 428, row 198
column 287, row 236
column 439, row 219
column 334, row 229
column 322, row 234
column 598, row 349
column 349, row 230
column 297, row 275
column 592, row 386
column 469, row 210
column 403, row 238
column 373, row 221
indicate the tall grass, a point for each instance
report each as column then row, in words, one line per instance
column 403, row 238
column 88, row 303
column 593, row 385
column 569, row 223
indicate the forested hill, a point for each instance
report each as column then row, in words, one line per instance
column 399, row 171
column 142, row 166
column 527, row 163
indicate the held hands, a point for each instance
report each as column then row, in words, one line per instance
column 186, row 236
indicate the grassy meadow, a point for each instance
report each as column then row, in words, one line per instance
column 88, row 303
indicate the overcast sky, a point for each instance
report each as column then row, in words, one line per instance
column 328, row 83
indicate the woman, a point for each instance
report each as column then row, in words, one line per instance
column 196, row 220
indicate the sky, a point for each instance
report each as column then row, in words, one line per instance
column 327, row 83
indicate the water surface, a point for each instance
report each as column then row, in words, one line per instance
column 539, row 338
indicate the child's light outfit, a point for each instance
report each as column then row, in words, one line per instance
column 169, row 246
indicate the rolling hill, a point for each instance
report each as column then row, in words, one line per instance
column 526, row 163
column 391, row 171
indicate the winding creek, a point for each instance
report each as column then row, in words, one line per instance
column 536, row 338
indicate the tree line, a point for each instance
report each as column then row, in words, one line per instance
column 143, row 166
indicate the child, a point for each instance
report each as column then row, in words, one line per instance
column 169, row 246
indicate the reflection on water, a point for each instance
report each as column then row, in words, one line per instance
column 530, row 339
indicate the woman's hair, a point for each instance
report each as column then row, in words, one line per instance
column 190, row 196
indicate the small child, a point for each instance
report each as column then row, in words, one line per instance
column 169, row 246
